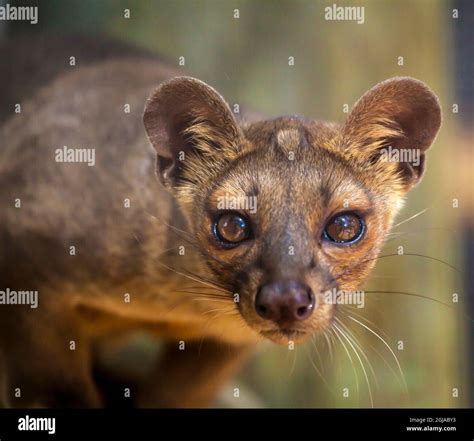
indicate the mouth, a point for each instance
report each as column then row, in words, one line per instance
column 284, row 335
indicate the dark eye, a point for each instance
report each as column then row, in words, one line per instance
column 231, row 228
column 344, row 228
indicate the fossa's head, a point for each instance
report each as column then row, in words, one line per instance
column 286, row 210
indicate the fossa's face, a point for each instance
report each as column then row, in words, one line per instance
column 291, row 214
column 290, row 226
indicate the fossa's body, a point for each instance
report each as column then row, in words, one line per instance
column 111, row 248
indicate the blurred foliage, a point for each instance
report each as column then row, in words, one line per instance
column 246, row 59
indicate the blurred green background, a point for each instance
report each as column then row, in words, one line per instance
column 335, row 62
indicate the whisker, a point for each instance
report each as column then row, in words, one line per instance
column 395, row 234
column 202, row 278
column 208, row 299
column 318, row 354
column 204, row 294
column 350, row 359
column 197, row 287
column 354, row 339
column 411, row 217
column 321, row 376
column 411, row 294
column 366, row 320
column 214, row 310
column 388, row 347
column 399, row 255
column 203, row 332
column 331, row 358
column 425, row 257
column 360, row 362
column 389, row 365
column 235, row 312
column 154, row 218
column 186, row 275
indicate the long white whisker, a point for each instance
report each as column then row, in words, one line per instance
column 318, row 354
column 350, row 358
column 188, row 276
column 411, row 218
column 360, row 362
column 329, row 346
column 388, row 347
column 354, row 339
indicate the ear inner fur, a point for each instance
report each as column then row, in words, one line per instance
column 400, row 113
column 185, row 116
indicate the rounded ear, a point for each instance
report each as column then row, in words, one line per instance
column 397, row 121
column 184, row 119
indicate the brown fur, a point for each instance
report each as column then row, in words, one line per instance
column 302, row 172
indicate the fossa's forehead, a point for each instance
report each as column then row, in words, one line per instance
column 291, row 174
column 289, row 140
column 291, row 133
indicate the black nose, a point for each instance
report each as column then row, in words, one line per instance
column 285, row 302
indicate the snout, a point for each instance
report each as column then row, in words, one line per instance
column 285, row 302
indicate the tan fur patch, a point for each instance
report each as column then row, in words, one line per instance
column 288, row 139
